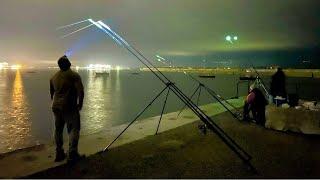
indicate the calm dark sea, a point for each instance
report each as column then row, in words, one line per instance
column 26, row 118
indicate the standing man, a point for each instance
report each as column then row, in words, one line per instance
column 278, row 84
column 67, row 94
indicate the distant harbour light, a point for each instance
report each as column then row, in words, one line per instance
column 4, row 65
column 16, row 66
column 99, row 67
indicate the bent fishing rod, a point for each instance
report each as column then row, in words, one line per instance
column 203, row 117
column 242, row 154
column 216, row 95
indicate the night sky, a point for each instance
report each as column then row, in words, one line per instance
column 188, row 32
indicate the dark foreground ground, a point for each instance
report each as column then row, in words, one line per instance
column 186, row 153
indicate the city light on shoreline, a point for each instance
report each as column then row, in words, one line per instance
column 5, row 65
column 16, row 66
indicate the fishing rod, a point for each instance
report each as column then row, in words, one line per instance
column 210, row 91
column 242, row 154
column 214, row 95
column 206, row 119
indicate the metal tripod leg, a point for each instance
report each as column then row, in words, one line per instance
column 212, row 93
column 163, row 107
column 190, row 98
column 200, row 85
column 139, row 114
column 242, row 154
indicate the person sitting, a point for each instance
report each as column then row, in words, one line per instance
column 256, row 103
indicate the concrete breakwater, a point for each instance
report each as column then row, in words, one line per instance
column 30, row 160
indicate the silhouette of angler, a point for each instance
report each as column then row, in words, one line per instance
column 67, row 95
column 256, row 103
column 278, row 84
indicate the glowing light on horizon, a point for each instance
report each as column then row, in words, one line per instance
column 4, row 65
column 99, row 67
column 16, row 66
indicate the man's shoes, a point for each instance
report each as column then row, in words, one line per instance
column 73, row 157
column 203, row 128
column 60, row 156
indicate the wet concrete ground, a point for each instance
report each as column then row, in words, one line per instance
column 186, row 153
column 30, row 160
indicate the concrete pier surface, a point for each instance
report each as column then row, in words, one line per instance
column 39, row 158
column 184, row 152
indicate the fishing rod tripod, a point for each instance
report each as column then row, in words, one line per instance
column 260, row 81
column 214, row 95
column 170, row 86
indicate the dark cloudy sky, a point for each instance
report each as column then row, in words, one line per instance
column 190, row 30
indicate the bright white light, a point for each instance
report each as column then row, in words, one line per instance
column 228, row 38
column 69, row 25
column 95, row 23
column 235, row 38
column 104, row 25
column 160, row 57
column 16, row 66
column 3, row 65
column 113, row 33
column 99, row 67
column 118, row 68
column 99, row 24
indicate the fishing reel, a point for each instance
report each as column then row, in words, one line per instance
column 203, row 128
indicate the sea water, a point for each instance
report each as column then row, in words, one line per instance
column 110, row 100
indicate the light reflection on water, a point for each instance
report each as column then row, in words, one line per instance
column 97, row 103
column 15, row 125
